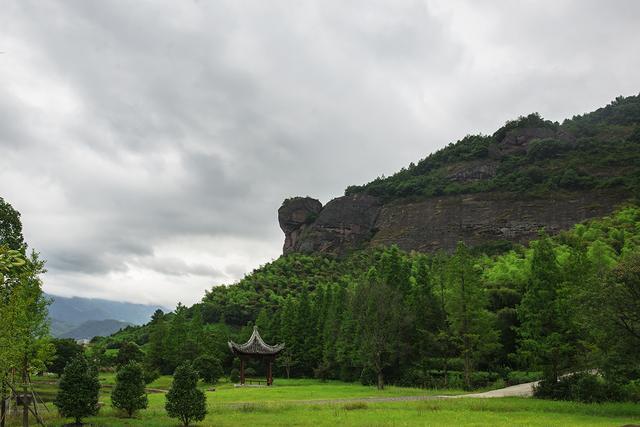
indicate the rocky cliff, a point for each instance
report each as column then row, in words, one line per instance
column 530, row 175
column 353, row 222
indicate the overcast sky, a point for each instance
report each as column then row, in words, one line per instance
column 148, row 145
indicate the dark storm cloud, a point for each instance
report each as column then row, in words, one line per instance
column 149, row 144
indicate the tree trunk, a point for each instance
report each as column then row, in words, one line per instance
column 25, row 390
column 380, row 380
column 467, row 369
column 3, row 404
column 446, row 371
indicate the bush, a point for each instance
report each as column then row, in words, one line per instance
column 150, row 374
column 129, row 394
column 129, row 352
column 209, row 368
column 184, row 400
column 78, row 390
column 581, row 387
column 521, row 377
column 483, row 379
column 593, row 389
column 234, row 375
column 368, row 377
column 632, row 391
column 66, row 350
column 539, row 149
column 322, row 372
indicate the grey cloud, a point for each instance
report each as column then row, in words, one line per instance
column 129, row 126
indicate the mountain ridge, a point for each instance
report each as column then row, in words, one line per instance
column 72, row 314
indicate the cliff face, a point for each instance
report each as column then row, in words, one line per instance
column 476, row 219
column 353, row 222
column 529, row 175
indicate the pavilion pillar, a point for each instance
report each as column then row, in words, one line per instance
column 269, row 372
column 242, row 370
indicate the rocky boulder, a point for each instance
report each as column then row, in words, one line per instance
column 343, row 224
column 294, row 215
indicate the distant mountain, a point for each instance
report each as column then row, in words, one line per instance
column 77, row 316
column 93, row 328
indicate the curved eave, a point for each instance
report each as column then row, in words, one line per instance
column 264, row 351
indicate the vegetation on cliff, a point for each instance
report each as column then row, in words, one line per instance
column 529, row 155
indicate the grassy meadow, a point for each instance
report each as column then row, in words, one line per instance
column 309, row 403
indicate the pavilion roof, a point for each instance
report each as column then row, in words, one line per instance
column 255, row 345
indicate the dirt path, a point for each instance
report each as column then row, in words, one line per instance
column 520, row 390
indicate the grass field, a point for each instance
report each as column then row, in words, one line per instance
column 288, row 403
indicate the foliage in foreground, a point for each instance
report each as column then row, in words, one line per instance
column 184, row 400
column 24, row 333
column 78, row 390
column 129, row 394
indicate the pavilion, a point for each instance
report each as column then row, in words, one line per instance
column 256, row 348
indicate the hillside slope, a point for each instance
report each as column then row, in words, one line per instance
column 484, row 190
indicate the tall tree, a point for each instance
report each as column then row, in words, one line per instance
column 379, row 324
column 288, row 321
column 542, row 314
column 157, row 349
column 471, row 322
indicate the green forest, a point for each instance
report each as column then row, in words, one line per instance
column 567, row 304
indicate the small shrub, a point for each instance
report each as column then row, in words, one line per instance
column 234, row 375
column 150, row 374
column 368, row 377
column 184, row 400
column 129, row 352
column 249, row 372
column 520, row 377
column 581, row 387
column 632, row 391
column 483, row 379
column 129, row 394
column 78, row 390
column 209, row 368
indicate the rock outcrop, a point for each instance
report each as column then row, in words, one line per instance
column 294, row 215
column 344, row 223
column 353, row 222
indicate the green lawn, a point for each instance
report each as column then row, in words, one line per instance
column 283, row 405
